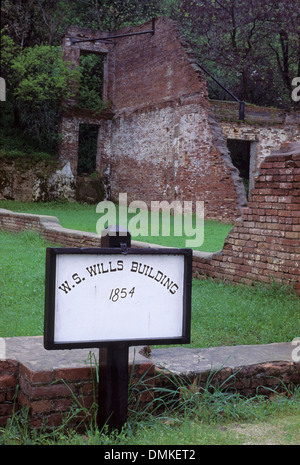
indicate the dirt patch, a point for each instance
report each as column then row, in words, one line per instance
column 283, row 432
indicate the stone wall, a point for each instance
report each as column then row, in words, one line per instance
column 266, row 128
column 25, row 180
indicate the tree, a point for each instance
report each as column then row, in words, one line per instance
column 253, row 45
column 36, row 22
column 38, row 79
column 110, row 15
column 285, row 26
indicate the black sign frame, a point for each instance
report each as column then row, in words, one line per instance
column 50, row 297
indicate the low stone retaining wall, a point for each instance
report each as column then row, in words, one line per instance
column 50, row 383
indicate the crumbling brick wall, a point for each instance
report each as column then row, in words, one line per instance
column 265, row 128
column 265, row 243
column 159, row 141
column 49, row 394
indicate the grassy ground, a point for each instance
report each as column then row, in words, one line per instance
column 84, row 217
column 221, row 314
column 210, row 416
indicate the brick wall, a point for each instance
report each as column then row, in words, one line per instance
column 265, row 243
column 159, row 142
column 266, row 128
column 49, row 395
column 163, row 140
column 9, row 370
column 178, row 170
column 48, row 227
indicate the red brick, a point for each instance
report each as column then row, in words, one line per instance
column 7, row 381
column 72, row 374
column 42, row 406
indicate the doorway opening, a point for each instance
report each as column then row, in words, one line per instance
column 240, row 153
column 87, row 149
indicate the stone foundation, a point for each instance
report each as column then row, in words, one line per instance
column 49, row 383
column 27, row 180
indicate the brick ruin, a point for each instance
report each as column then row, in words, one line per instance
column 49, row 392
column 161, row 138
column 158, row 139
column 263, row 131
column 263, row 245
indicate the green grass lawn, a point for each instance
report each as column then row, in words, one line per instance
column 222, row 314
column 84, row 217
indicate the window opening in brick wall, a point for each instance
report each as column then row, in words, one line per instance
column 240, row 151
column 90, row 95
column 87, row 149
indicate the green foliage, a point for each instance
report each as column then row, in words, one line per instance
column 110, row 15
column 9, row 51
column 251, row 47
column 40, row 74
column 36, row 74
column 14, row 145
column 38, row 79
column 91, row 82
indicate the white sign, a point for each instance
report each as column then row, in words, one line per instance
column 102, row 297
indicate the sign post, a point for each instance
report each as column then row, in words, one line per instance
column 113, row 361
column 114, row 297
